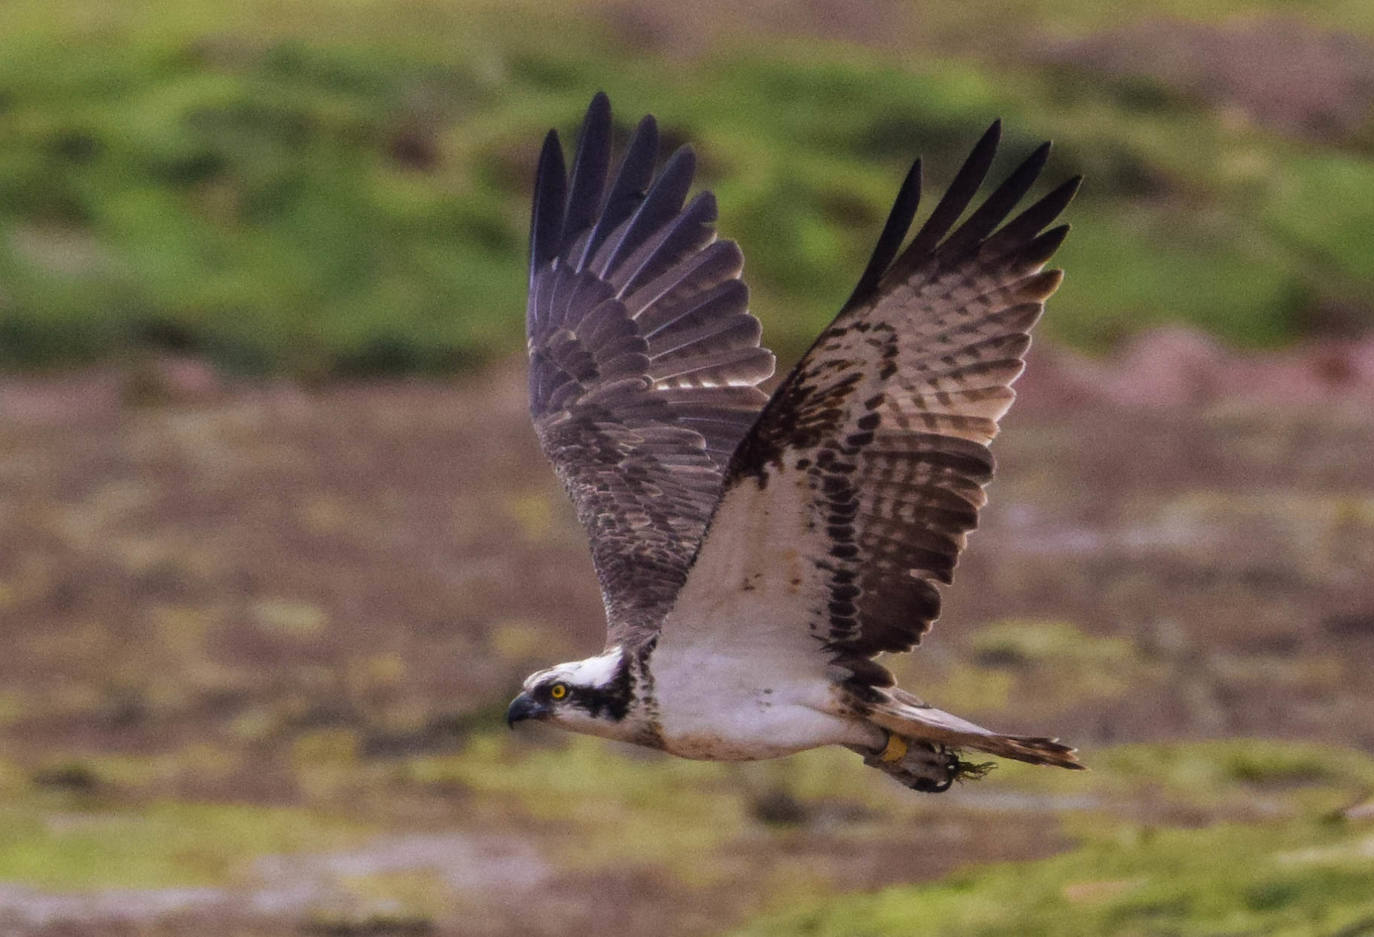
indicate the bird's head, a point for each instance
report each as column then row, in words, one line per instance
column 592, row 696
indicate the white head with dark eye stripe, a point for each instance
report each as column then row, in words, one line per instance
column 592, row 696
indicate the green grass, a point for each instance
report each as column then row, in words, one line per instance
column 1300, row 872
column 1294, row 868
column 155, row 845
column 343, row 188
column 1069, row 16
column 1283, row 880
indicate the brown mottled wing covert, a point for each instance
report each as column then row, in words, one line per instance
column 852, row 495
column 643, row 359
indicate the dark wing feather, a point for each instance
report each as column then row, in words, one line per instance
column 890, row 241
column 643, row 359
column 851, row 497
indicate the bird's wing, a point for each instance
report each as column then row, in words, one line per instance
column 852, row 494
column 643, row 358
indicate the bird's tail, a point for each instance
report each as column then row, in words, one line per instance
column 910, row 720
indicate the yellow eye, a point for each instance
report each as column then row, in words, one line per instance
column 558, row 690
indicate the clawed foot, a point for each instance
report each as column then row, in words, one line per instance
column 922, row 766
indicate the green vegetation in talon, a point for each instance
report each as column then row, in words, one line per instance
column 353, row 202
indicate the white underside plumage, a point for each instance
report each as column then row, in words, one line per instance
column 720, row 705
column 736, row 675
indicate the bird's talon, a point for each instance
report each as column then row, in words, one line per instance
column 895, row 750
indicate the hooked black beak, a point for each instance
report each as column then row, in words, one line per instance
column 524, row 707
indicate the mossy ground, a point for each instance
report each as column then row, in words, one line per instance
column 233, row 713
column 1179, row 838
column 1295, row 879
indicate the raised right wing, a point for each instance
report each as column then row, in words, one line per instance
column 852, row 495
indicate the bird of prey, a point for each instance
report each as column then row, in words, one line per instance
column 757, row 554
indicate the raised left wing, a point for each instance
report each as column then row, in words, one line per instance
column 852, row 495
column 643, row 359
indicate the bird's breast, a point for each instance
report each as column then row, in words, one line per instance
column 723, row 708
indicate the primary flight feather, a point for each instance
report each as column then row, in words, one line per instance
column 756, row 555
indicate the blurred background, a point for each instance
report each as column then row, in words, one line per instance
column 277, row 547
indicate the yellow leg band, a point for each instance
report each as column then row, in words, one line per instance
column 895, row 749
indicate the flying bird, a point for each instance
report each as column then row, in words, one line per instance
column 757, row 554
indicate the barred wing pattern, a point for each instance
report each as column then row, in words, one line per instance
column 643, row 359
column 853, row 494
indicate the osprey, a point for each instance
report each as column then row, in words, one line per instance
column 757, row 554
